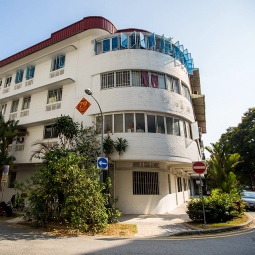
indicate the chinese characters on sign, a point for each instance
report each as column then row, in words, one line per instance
column 83, row 106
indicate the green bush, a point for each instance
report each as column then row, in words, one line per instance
column 219, row 207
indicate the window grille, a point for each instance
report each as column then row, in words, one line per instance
column 107, row 80
column 122, row 78
column 145, row 183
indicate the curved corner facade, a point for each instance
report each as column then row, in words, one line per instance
column 149, row 93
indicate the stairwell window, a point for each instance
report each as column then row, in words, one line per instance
column 49, row 132
column 19, row 76
column 58, row 62
column 30, row 71
column 54, row 96
column 145, row 183
column 3, row 109
column 14, row 107
column 8, row 82
column 26, row 103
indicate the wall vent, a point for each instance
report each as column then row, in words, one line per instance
column 53, row 107
column 29, row 82
column 17, row 86
column 57, row 73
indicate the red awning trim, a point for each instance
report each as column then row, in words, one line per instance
column 78, row 27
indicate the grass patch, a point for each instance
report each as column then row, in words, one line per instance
column 114, row 229
column 234, row 222
column 118, row 229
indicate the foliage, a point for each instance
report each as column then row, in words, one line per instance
column 219, row 207
column 241, row 140
column 120, row 145
column 108, row 145
column 66, row 129
column 62, row 190
column 8, row 133
column 220, row 168
column 67, row 188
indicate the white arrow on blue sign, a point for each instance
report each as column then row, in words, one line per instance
column 102, row 163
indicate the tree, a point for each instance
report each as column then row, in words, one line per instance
column 241, row 140
column 67, row 187
column 9, row 131
column 63, row 190
column 220, row 168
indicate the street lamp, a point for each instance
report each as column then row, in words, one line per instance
column 89, row 92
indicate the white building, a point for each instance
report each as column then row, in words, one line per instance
column 149, row 93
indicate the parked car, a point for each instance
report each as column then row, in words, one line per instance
column 249, row 199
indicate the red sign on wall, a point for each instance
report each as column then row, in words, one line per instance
column 83, row 106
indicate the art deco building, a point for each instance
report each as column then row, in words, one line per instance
column 149, row 93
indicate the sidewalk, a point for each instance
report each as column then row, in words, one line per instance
column 159, row 225
column 151, row 226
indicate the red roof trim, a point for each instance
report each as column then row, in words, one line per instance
column 78, row 27
column 132, row 30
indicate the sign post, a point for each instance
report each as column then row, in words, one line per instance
column 199, row 167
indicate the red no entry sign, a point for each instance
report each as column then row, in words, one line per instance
column 199, row 167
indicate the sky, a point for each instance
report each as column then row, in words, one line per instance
column 219, row 34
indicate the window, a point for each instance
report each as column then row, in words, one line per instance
column 122, row 78
column 58, row 62
column 54, row 96
column 176, row 127
column 14, row 107
column 0, row 83
column 185, row 91
column 151, row 123
column 26, row 103
column 3, row 109
column 115, row 43
column 179, row 184
column 118, row 123
column 172, row 84
column 160, row 125
column 49, row 132
column 169, row 126
column 161, row 81
column 107, row 80
column 11, row 179
column 30, row 72
column 19, row 76
column 108, row 124
column 106, row 45
column 145, row 183
column 8, row 82
column 140, row 123
column 129, row 122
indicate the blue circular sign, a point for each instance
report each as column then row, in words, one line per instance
column 102, row 163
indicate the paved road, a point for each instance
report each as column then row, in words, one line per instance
column 15, row 240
